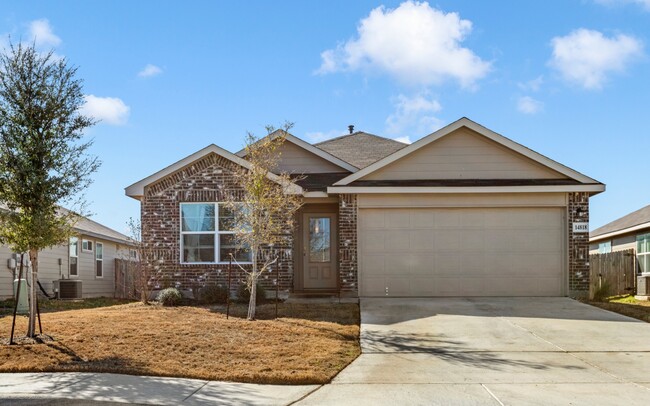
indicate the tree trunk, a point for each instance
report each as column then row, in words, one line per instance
column 253, row 298
column 31, row 327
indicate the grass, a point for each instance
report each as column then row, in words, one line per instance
column 309, row 343
column 7, row 306
column 627, row 306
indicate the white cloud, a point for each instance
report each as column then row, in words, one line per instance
column 149, row 71
column 414, row 43
column 644, row 3
column 109, row 110
column 586, row 57
column 528, row 105
column 318, row 136
column 42, row 34
column 414, row 115
column 406, row 139
column 532, row 85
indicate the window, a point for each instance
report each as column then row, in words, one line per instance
column 643, row 252
column 86, row 246
column 74, row 256
column 207, row 234
column 99, row 260
column 605, row 247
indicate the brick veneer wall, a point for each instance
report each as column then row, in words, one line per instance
column 348, row 270
column 578, row 212
column 209, row 179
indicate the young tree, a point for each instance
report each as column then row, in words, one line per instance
column 264, row 213
column 43, row 160
column 142, row 269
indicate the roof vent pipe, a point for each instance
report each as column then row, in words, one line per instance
column 351, row 128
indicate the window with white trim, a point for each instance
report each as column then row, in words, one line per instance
column 208, row 236
column 74, row 256
column 643, row 252
column 86, row 246
column 605, row 247
column 99, row 260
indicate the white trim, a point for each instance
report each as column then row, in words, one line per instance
column 619, row 232
column 315, row 194
column 467, row 189
column 136, row 190
column 310, row 148
column 465, row 122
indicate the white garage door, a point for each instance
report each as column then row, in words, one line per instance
column 461, row 252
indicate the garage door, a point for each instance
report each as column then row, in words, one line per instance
column 461, row 252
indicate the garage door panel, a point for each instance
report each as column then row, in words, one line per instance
column 462, row 252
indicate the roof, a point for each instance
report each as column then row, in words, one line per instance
column 318, row 182
column 361, row 149
column 136, row 190
column 308, row 147
column 636, row 220
column 465, row 122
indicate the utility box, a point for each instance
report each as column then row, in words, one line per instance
column 643, row 287
column 23, row 302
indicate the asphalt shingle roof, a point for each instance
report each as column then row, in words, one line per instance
column 635, row 218
column 360, row 149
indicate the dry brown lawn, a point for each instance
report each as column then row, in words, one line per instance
column 307, row 344
column 627, row 306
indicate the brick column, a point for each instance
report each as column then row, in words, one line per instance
column 578, row 212
column 348, row 271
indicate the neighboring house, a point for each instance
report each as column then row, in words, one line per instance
column 88, row 257
column 631, row 231
column 463, row 211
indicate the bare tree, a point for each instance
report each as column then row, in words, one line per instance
column 263, row 214
column 142, row 267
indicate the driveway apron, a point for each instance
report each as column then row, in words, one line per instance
column 501, row 351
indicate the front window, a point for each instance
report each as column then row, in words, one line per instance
column 208, row 235
column 605, row 247
column 643, row 252
column 86, row 246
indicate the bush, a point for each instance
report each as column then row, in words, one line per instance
column 244, row 295
column 602, row 292
column 170, row 297
column 213, row 294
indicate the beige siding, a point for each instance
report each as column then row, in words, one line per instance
column 463, row 200
column 464, row 154
column 294, row 159
column 49, row 269
column 619, row 243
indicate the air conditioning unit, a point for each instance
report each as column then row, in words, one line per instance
column 67, row 288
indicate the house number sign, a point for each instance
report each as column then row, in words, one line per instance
column 580, row 227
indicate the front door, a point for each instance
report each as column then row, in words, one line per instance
column 319, row 250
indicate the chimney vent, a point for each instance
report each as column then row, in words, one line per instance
column 351, row 128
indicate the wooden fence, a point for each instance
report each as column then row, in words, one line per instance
column 125, row 283
column 612, row 274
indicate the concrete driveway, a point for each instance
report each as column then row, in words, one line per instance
column 499, row 351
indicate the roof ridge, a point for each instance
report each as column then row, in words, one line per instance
column 621, row 227
column 357, row 133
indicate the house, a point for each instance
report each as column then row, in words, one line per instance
column 631, row 231
column 89, row 258
column 463, row 211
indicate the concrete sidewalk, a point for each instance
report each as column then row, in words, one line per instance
column 41, row 388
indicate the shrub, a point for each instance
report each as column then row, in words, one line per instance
column 213, row 294
column 244, row 295
column 602, row 292
column 170, row 297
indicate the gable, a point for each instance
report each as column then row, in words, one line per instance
column 294, row 159
column 464, row 154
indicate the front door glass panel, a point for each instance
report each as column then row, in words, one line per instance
column 319, row 239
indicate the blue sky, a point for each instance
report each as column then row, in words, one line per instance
column 567, row 78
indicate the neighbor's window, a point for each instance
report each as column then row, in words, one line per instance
column 207, row 234
column 643, row 252
column 86, row 246
column 99, row 260
column 74, row 256
column 605, row 247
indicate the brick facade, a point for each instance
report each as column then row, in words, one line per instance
column 209, row 179
column 348, row 270
column 578, row 212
